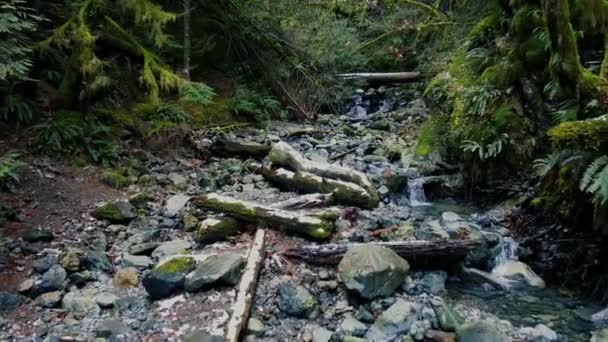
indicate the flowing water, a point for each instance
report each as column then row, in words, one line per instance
column 416, row 194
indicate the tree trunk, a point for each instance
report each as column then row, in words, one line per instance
column 247, row 286
column 318, row 226
column 284, row 155
column 383, row 76
column 416, row 252
column 187, row 39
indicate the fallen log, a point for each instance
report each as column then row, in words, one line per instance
column 410, row 76
column 306, row 202
column 318, row 226
column 246, row 290
column 346, row 193
column 284, row 155
column 229, row 144
column 415, row 252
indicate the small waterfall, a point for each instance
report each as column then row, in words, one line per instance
column 508, row 251
column 416, row 196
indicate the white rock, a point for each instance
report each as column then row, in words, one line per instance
column 516, row 270
column 176, row 203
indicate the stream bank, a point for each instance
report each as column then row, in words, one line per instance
column 97, row 285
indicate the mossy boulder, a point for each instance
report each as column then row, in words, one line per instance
column 297, row 301
column 372, row 270
column 115, row 212
column 115, row 179
column 140, row 200
column 168, row 276
column 587, row 134
column 216, row 229
column 480, row 331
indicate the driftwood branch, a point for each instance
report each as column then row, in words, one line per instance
column 318, row 226
column 247, row 285
column 417, row 251
column 383, row 76
column 306, row 202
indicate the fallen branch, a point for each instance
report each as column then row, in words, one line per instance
column 345, row 153
column 383, row 76
column 247, row 285
column 344, row 192
column 306, row 202
column 318, row 226
column 231, row 145
column 417, row 251
column 284, row 155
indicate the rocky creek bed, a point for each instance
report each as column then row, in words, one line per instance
column 157, row 266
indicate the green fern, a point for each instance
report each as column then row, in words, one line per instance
column 9, row 166
column 488, row 151
column 595, row 180
column 548, row 163
column 198, row 93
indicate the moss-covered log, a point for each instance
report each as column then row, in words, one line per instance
column 231, row 145
column 589, row 134
column 217, row 229
column 346, row 193
column 306, row 202
column 317, row 226
column 284, row 155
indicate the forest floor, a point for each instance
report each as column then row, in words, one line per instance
column 80, row 277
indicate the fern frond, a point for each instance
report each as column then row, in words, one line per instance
column 595, row 179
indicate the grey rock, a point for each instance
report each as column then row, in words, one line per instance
column 480, row 331
column 372, row 271
column 172, row 247
column 106, row 299
column 517, row 271
column 137, row 261
column 168, row 276
column 52, row 280
column 216, row 269
column 540, row 333
column 202, row 336
column 297, row 301
column 96, row 260
column 112, row 329
column 320, row 334
column 449, row 320
column 599, row 336
column 432, row 230
column 353, row 327
column 600, row 318
column 177, row 179
column 42, row 265
column 9, row 301
column 395, row 321
column 176, row 203
column 255, row 327
column 145, row 248
column 36, row 234
column 80, row 305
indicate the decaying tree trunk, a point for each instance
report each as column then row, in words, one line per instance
column 306, row 202
column 415, row 252
column 247, row 285
column 232, row 145
column 318, row 226
column 284, row 155
column 344, row 192
column 383, row 76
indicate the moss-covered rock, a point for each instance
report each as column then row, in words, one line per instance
column 115, row 179
column 587, row 134
column 216, row 229
column 168, row 276
column 115, row 212
column 297, row 301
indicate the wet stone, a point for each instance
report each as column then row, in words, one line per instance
column 37, row 234
column 297, row 301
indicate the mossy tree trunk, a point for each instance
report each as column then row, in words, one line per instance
column 574, row 80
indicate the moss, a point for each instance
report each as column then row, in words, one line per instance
column 534, row 53
column 140, row 200
column 108, row 212
column 115, row 179
column 177, row 264
column 224, row 228
column 234, row 208
column 146, row 180
column 426, row 139
column 484, row 28
column 586, row 134
column 537, row 201
column 503, row 74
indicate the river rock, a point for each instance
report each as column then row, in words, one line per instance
column 49, row 299
column 255, row 327
column 540, row 333
column 599, row 336
column 52, row 280
column 372, row 271
column 112, row 329
column 353, row 327
column 216, row 269
column 9, row 301
column 175, row 204
column 171, row 248
column 115, row 212
column 202, row 336
column 480, row 331
column 296, row 301
column 168, row 276
column 106, row 299
column 518, row 271
column 432, row 230
column 36, row 234
column 137, row 261
column 395, row 321
column 42, row 265
column 600, row 318
column 70, row 259
column 126, row 277
column 79, row 304
column 449, row 320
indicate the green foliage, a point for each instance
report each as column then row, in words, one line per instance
column 16, row 109
column 169, row 112
column 9, row 167
column 197, row 93
column 589, row 134
column 543, row 166
column 72, row 134
column 489, row 151
column 17, row 22
column 595, row 180
column 257, row 105
column 479, row 99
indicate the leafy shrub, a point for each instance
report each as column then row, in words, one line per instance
column 9, row 165
column 73, row 135
column 595, row 180
column 488, row 151
column 198, row 93
column 16, row 109
column 165, row 112
column 250, row 102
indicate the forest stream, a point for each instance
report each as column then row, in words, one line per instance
column 122, row 278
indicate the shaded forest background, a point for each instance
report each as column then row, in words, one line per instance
column 517, row 89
